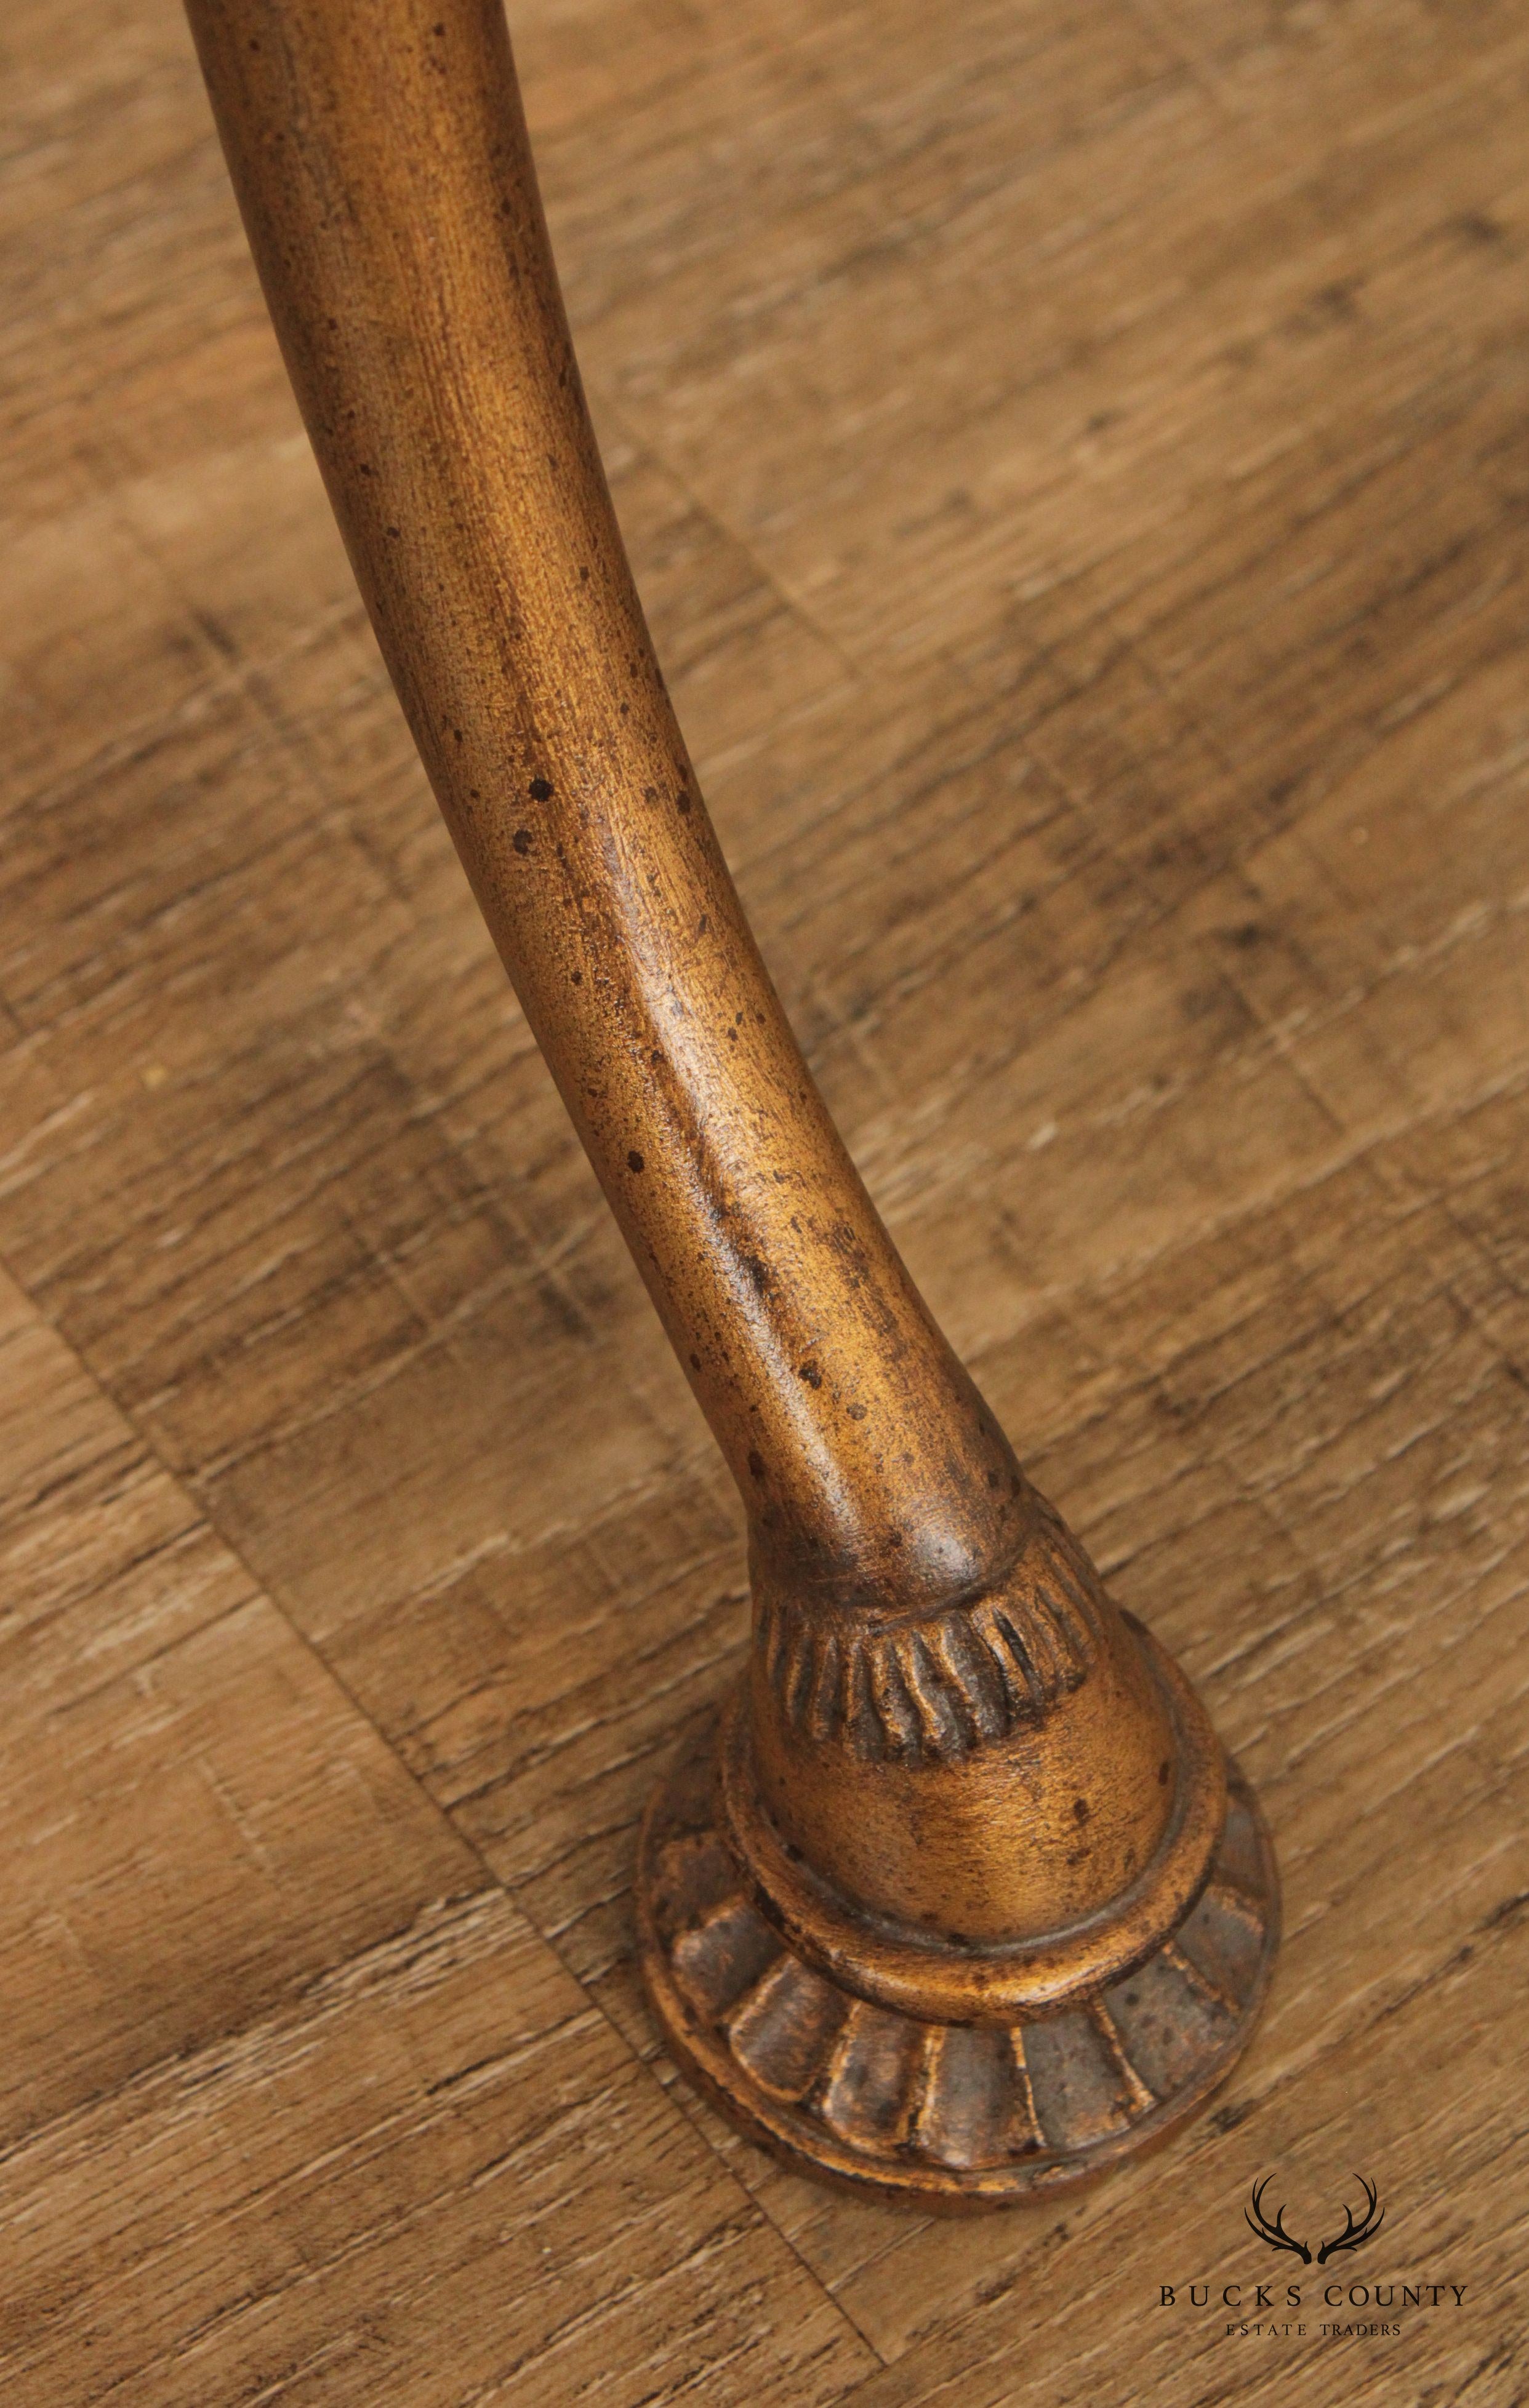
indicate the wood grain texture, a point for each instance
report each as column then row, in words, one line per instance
column 1076, row 468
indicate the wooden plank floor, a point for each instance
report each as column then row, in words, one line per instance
column 1076, row 462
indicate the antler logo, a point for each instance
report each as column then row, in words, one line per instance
column 1354, row 2233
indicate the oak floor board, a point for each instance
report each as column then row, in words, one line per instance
column 1093, row 398
column 1075, row 463
column 437, row 2175
column 199, row 1822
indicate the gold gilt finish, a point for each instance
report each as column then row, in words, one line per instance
column 957, row 1902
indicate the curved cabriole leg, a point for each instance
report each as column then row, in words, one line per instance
column 959, row 1899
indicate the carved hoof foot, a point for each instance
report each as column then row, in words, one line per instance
column 946, row 2115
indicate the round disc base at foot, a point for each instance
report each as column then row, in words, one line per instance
column 945, row 2115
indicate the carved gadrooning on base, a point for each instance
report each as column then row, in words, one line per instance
column 929, row 1688
column 949, row 2116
